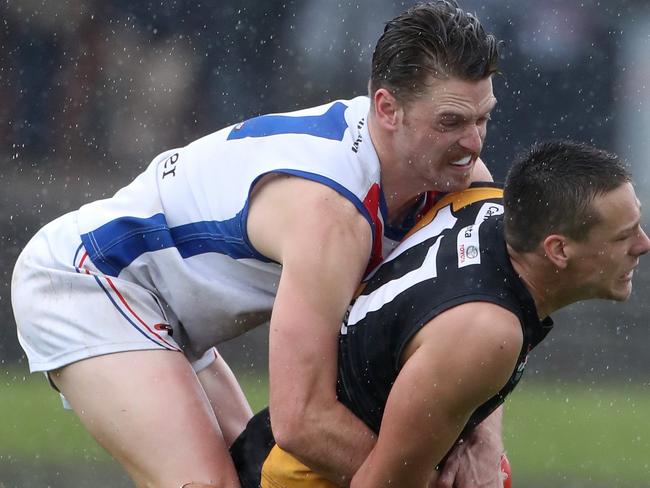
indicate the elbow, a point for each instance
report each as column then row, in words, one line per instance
column 292, row 428
column 289, row 429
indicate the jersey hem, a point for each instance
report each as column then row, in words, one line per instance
column 90, row 352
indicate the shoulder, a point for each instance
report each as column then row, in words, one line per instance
column 470, row 351
column 302, row 196
column 481, row 172
column 478, row 322
column 288, row 212
column 480, row 331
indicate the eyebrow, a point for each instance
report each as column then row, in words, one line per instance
column 458, row 115
column 630, row 228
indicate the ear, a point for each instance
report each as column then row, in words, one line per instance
column 555, row 249
column 387, row 109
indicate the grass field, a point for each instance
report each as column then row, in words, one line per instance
column 564, row 435
column 599, row 434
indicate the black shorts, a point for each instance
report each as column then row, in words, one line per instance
column 262, row 464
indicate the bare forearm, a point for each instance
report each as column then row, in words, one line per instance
column 475, row 462
column 332, row 441
column 489, row 431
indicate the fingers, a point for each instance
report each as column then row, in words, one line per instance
column 450, row 468
column 198, row 485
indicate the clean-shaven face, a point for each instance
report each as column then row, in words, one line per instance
column 442, row 132
column 607, row 258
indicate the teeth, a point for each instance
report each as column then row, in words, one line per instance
column 462, row 161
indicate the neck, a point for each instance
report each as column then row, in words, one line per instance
column 401, row 191
column 543, row 281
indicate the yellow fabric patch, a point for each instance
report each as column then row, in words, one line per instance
column 457, row 200
column 282, row 470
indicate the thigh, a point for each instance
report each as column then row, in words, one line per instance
column 149, row 411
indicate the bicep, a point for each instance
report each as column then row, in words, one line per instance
column 454, row 368
column 324, row 246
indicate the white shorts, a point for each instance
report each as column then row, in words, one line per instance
column 66, row 310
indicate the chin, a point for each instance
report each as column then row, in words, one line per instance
column 458, row 184
column 621, row 293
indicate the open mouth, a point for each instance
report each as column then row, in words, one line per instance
column 462, row 162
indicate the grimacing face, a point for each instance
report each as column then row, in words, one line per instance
column 442, row 132
column 604, row 262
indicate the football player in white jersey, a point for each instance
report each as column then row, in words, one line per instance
column 279, row 218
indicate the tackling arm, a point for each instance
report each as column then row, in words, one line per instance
column 324, row 245
column 455, row 363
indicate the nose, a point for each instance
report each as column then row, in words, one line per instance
column 643, row 246
column 472, row 139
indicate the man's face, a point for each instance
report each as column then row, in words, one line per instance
column 442, row 132
column 604, row 262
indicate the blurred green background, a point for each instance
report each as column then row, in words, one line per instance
column 555, row 435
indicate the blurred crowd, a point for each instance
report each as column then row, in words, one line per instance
column 116, row 82
column 91, row 91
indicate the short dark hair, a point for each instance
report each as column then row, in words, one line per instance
column 550, row 189
column 431, row 39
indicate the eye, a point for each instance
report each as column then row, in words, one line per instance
column 451, row 122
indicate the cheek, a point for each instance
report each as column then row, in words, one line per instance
column 440, row 142
column 613, row 259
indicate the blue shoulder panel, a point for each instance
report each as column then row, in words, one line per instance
column 330, row 125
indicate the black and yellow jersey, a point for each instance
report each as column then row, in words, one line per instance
column 455, row 254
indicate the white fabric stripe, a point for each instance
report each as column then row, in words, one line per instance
column 386, row 293
column 444, row 219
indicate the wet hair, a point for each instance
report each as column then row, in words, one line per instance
column 431, row 39
column 551, row 188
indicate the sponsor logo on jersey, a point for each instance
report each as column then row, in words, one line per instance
column 471, row 252
column 357, row 142
column 469, row 246
column 488, row 210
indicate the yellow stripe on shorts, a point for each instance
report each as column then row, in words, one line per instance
column 282, row 470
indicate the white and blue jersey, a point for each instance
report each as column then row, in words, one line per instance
column 178, row 231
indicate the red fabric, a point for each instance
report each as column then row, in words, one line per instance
column 371, row 202
column 506, row 473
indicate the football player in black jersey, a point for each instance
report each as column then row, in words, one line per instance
column 441, row 330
